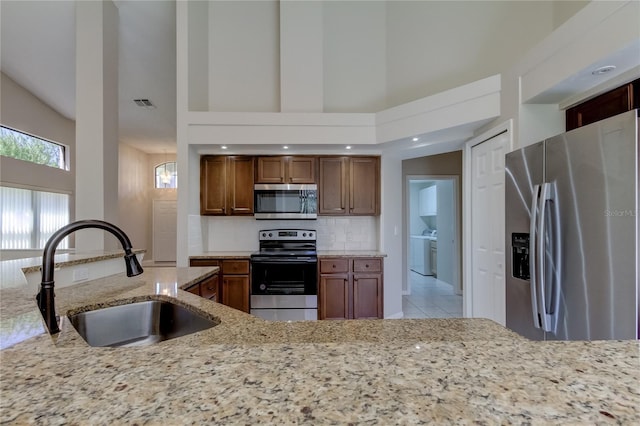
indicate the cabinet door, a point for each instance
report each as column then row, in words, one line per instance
column 209, row 288
column 364, row 186
column 194, row 289
column 213, row 181
column 301, row 170
column 333, row 294
column 240, row 186
column 367, row 296
column 333, row 186
column 270, row 169
column 235, row 292
column 607, row 105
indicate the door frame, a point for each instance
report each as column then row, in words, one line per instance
column 458, row 289
column 467, row 252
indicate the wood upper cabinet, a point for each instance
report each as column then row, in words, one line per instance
column 350, row 288
column 349, row 186
column 286, row 169
column 613, row 102
column 364, row 186
column 333, row 186
column 226, row 185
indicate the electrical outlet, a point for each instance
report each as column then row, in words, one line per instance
column 80, row 274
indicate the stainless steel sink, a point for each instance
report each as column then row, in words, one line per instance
column 138, row 324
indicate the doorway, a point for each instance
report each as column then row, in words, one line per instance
column 433, row 288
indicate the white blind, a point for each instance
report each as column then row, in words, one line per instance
column 29, row 217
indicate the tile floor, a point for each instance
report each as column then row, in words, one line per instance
column 431, row 298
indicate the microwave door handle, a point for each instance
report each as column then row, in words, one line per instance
column 533, row 260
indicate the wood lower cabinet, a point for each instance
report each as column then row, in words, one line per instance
column 349, row 186
column 286, row 169
column 350, row 288
column 233, row 281
column 226, row 185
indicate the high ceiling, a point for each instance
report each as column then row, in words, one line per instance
column 38, row 52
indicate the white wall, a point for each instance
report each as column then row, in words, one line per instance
column 437, row 45
column 354, row 56
column 534, row 87
column 96, row 120
column 20, row 110
column 135, row 179
column 244, row 58
column 446, row 221
column 333, row 233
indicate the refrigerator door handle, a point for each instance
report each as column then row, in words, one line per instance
column 533, row 253
column 548, row 314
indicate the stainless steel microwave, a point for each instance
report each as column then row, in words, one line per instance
column 285, row 201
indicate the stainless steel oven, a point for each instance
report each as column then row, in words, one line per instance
column 284, row 280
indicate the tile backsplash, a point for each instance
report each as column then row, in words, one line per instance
column 241, row 233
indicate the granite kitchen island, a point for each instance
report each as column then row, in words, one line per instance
column 249, row 371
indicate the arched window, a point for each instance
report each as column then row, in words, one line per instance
column 166, row 175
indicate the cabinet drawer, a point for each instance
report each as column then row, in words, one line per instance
column 194, row 289
column 204, row 262
column 235, row 267
column 209, row 288
column 330, row 266
column 367, row 265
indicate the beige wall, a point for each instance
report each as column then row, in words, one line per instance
column 20, row 110
column 449, row 164
column 136, row 193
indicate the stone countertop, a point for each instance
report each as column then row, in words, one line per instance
column 222, row 255
column 321, row 253
column 12, row 272
column 350, row 253
column 246, row 370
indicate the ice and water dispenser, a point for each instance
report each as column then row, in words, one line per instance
column 520, row 255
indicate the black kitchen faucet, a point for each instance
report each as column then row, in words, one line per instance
column 46, row 296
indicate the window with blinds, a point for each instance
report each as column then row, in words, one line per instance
column 28, row 218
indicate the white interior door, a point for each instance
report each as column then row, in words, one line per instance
column 165, row 225
column 487, row 228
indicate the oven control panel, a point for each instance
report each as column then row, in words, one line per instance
column 287, row 234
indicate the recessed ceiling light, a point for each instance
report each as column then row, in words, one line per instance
column 223, row 147
column 415, row 139
column 603, row 70
column 285, row 147
column 348, row 147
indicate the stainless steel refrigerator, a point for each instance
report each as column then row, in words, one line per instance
column 572, row 234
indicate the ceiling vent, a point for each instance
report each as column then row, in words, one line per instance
column 144, row 103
